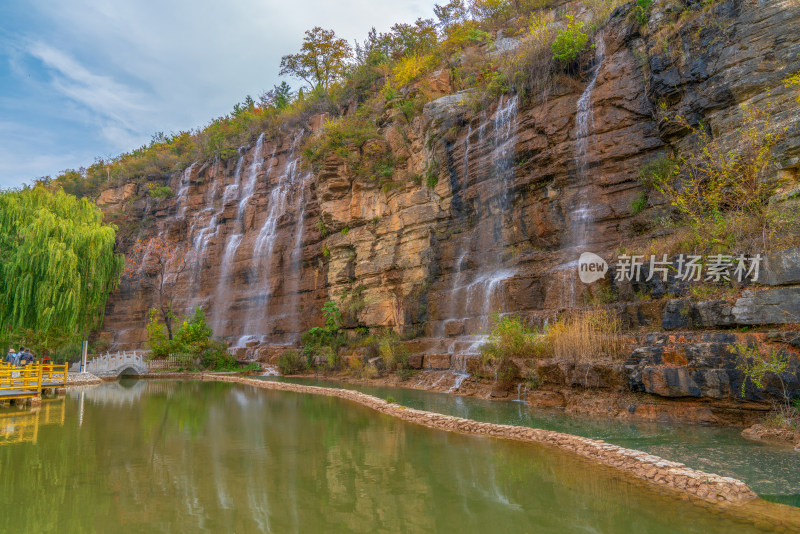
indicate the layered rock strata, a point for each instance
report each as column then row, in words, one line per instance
column 487, row 210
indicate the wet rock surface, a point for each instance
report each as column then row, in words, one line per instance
column 481, row 216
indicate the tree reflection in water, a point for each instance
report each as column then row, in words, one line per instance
column 193, row 456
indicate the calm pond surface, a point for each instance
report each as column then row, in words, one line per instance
column 771, row 471
column 162, row 456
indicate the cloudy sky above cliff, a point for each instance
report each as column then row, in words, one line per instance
column 81, row 79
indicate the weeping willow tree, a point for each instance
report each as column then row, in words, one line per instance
column 57, row 267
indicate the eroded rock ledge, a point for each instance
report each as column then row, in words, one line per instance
column 671, row 475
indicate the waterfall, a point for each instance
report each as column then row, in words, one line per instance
column 478, row 293
column 222, row 294
column 582, row 217
column 252, row 175
column 459, row 370
column 243, row 194
column 286, row 194
column 297, row 252
column 232, row 190
column 182, row 196
column 522, row 392
column 204, row 235
column 235, row 191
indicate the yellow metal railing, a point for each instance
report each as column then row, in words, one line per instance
column 20, row 382
column 28, row 380
column 54, row 374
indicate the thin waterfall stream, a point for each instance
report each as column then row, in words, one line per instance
column 476, row 293
column 581, row 212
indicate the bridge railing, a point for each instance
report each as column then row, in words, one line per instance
column 111, row 362
column 20, row 382
column 54, row 374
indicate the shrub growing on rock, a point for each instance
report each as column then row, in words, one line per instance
column 192, row 345
column 722, row 189
column 570, row 41
column 511, row 338
column 291, row 362
column 756, row 367
column 325, row 341
column 393, row 354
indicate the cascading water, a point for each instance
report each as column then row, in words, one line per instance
column 252, row 176
column 204, row 234
column 285, row 195
column 182, row 196
column 243, row 193
column 222, row 295
column 232, row 191
column 478, row 293
column 581, row 217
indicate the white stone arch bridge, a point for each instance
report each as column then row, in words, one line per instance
column 113, row 365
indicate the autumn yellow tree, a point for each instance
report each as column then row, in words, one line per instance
column 322, row 59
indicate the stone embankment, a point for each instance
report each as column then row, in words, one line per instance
column 666, row 474
column 767, row 434
column 82, row 379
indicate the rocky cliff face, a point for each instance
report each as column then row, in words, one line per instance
column 504, row 201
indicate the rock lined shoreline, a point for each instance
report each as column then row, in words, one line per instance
column 82, row 379
column 672, row 475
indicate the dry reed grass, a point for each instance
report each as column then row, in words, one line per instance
column 587, row 335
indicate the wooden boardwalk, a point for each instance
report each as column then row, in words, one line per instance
column 28, row 381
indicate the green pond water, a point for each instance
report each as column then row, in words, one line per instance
column 160, row 456
column 771, row 471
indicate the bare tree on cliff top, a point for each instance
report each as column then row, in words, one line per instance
column 162, row 264
column 322, row 59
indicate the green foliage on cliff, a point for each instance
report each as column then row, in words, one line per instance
column 325, row 341
column 57, row 267
column 793, row 81
column 641, row 11
column 160, row 192
column 193, row 343
column 756, row 367
column 511, row 338
column 355, row 139
column 722, row 189
column 570, row 41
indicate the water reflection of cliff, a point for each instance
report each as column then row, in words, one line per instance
column 216, row 457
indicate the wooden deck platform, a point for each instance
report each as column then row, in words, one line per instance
column 18, row 394
column 27, row 382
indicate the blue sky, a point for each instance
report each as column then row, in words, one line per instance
column 81, row 79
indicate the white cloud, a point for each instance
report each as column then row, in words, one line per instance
column 133, row 68
column 119, row 107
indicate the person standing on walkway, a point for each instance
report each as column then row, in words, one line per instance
column 26, row 358
column 15, row 359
